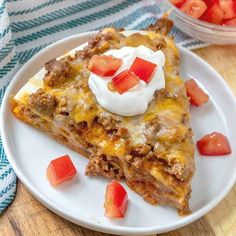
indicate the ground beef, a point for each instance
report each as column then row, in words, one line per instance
column 100, row 166
column 108, row 122
column 107, row 38
column 137, row 39
column 42, row 102
column 141, row 150
column 160, row 94
column 81, row 127
column 123, row 133
column 178, row 170
column 152, row 128
column 159, row 43
column 108, row 34
column 162, row 26
column 58, row 72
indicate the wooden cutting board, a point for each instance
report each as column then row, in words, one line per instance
column 26, row 216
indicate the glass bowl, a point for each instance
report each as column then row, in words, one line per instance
column 204, row 31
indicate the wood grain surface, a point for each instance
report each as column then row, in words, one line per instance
column 26, row 216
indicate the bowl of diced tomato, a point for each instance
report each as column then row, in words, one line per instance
column 212, row 21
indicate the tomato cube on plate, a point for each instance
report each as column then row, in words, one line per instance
column 213, row 14
column 214, row 144
column 197, row 95
column 194, row 8
column 124, row 81
column 104, row 65
column 116, row 200
column 60, row 170
column 143, row 69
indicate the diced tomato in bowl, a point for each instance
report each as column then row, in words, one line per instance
column 228, row 6
column 211, row 11
column 213, row 14
column 177, row 3
column 231, row 22
column 210, row 3
column 194, row 8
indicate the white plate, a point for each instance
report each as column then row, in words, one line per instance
column 81, row 200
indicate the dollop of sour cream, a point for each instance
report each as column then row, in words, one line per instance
column 134, row 101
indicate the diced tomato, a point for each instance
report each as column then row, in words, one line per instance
column 194, row 8
column 116, row 200
column 60, row 170
column 231, row 22
column 124, row 81
column 143, row 69
column 228, row 7
column 214, row 144
column 104, row 65
column 214, row 14
column 177, row 3
column 212, row 11
column 210, row 3
column 197, row 95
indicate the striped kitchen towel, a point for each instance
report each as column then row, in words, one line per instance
column 27, row 26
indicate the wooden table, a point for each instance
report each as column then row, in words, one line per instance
column 26, row 216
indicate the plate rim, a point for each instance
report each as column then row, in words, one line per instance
column 114, row 229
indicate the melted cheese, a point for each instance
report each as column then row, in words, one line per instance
column 157, row 172
column 98, row 137
column 113, row 148
column 167, row 110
